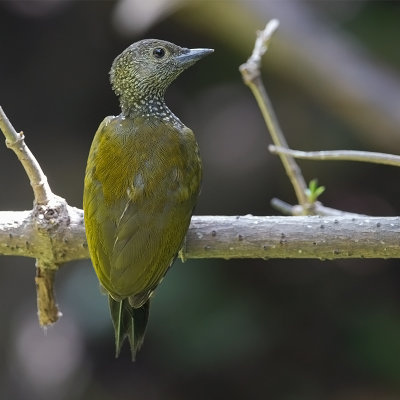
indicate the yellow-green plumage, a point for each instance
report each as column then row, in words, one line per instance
column 140, row 190
column 142, row 182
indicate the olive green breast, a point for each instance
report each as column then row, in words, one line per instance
column 142, row 182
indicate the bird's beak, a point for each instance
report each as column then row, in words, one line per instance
column 193, row 55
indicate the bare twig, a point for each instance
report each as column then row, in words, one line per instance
column 283, row 207
column 252, row 77
column 318, row 209
column 347, row 155
column 253, row 64
column 15, row 141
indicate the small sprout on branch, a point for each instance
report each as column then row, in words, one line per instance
column 314, row 191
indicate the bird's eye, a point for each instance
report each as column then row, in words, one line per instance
column 159, row 52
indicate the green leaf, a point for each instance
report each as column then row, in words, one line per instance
column 314, row 191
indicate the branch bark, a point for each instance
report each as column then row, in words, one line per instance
column 227, row 237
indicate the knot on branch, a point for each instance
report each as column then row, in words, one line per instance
column 48, row 217
column 250, row 72
column 17, row 142
column 52, row 220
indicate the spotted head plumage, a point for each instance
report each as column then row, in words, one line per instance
column 141, row 74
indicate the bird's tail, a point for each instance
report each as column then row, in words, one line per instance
column 129, row 322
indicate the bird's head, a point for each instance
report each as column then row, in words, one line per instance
column 146, row 68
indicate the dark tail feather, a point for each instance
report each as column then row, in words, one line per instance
column 128, row 323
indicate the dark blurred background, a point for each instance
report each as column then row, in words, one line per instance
column 243, row 329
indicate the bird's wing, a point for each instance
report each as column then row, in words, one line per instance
column 147, row 238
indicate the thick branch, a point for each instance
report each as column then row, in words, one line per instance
column 63, row 238
column 230, row 237
column 293, row 237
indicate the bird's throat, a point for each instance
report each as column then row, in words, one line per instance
column 149, row 107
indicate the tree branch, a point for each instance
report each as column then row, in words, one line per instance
column 340, row 155
column 252, row 78
column 50, row 213
column 21, row 236
column 228, row 237
column 293, row 237
column 15, row 141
